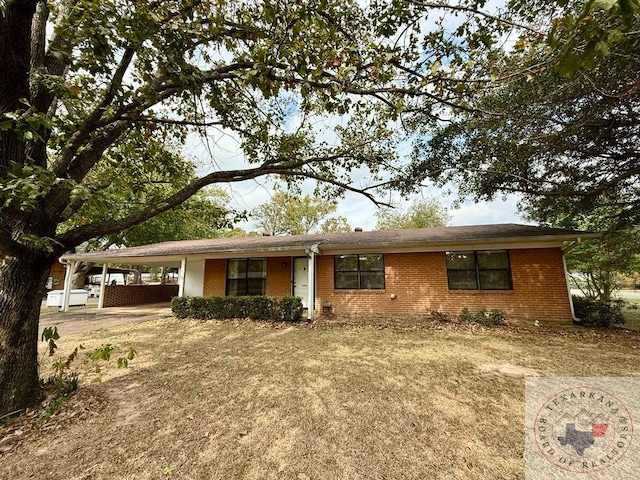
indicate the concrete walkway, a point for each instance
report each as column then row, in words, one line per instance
column 88, row 318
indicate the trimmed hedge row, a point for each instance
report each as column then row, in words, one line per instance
column 255, row 307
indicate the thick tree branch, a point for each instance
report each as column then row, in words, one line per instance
column 475, row 12
column 38, row 37
column 161, row 91
column 15, row 46
column 80, row 234
column 58, row 200
column 66, row 156
column 274, row 167
column 345, row 186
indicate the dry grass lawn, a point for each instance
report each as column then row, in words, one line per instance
column 215, row 400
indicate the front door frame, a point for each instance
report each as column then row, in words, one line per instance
column 305, row 300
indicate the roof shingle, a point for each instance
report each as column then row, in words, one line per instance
column 382, row 238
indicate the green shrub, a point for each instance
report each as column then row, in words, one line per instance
column 222, row 308
column 180, row 307
column 199, row 306
column 290, row 309
column 255, row 307
column 493, row 318
column 440, row 316
column 466, row 316
column 484, row 317
column 596, row 313
column 261, row 308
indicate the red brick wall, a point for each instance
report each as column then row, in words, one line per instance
column 278, row 281
column 121, row 295
column 215, row 276
column 57, row 272
column 419, row 282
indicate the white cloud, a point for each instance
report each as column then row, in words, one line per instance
column 483, row 213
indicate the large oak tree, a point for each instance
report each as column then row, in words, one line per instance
column 93, row 90
column 565, row 136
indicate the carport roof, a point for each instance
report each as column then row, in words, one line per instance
column 422, row 239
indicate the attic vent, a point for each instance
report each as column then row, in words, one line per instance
column 357, row 229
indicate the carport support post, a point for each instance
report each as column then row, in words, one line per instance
column 181, row 276
column 66, row 292
column 103, row 284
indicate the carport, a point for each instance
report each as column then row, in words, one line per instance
column 125, row 295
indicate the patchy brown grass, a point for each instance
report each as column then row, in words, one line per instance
column 230, row 400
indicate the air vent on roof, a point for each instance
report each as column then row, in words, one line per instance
column 357, row 229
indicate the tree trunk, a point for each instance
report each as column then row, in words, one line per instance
column 22, row 287
column 137, row 279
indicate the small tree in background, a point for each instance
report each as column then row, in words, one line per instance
column 420, row 214
column 286, row 214
column 597, row 265
column 335, row 224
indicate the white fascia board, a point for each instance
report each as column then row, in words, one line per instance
column 167, row 261
column 279, row 252
column 174, row 260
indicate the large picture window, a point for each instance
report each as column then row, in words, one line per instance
column 246, row 276
column 479, row 270
column 364, row 272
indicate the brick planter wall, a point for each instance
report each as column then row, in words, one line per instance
column 121, row 295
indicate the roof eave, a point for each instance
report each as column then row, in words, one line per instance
column 330, row 248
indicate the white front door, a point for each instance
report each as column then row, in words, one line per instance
column 301, row 279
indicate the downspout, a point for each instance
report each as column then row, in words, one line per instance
column 564, row 251
column 311, row 281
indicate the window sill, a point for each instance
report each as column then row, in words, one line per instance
column 482, row 292
column 358, row 290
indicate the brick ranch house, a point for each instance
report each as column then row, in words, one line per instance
column 517, row 268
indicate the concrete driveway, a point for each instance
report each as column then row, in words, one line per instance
column 88, row 318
